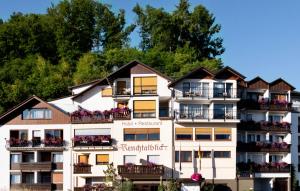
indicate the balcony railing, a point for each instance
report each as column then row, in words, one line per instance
column 274, row 105
column 36, row 187
column 145, row 90
column 120, row 91
column 144, row 113
column 28, row 166
column 204, row 93
column 84, row 116
column 82, row 168
column 92, row 140
column 94, row 187
column 47, row 143
column 262, row 147
column 252, row 167
column 264, row 126
column 207, row 114
column 141, row 170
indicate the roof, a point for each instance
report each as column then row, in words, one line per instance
column 21, row 105
column 120, row 71
column 83, row 84
column 257, row 78
column 199, row 69
column 282, row 80
column 227, row 68
column 202, row 69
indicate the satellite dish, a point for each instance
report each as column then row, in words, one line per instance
column 115, row 68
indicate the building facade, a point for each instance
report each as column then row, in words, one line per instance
column 238, row 134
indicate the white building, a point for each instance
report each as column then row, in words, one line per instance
column 265, row 134
column 153, row 129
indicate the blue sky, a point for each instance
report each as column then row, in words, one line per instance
column 261, row 37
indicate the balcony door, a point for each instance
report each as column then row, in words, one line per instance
column 121, row 88
column 223, row 111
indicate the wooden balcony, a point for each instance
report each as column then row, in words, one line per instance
column 262, row 147
column 33, row 187
column 82, row 169
column 140, row 171
column 283, row 127
column 264, row 168
column 38, row 166
column 29, row 145
column 264, row 105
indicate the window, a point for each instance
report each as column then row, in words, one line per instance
column 184, row 133
column 253, row 138
column 54, row 134
column 195, row 89
column 21, row 134
column 185, row 156
column 145, row 85
column 141, row 134
column 83, row 159
column 144, row 109
column 102, row 159
column 37, row 114
column 153, row 159
column 223, row 111
column 203, row 154
column 222, row 134
column 203, row 134
column 222, row 154
column 15, row 179
column 129, row 159
column 28, row 157
column 223, row 90
column 57, row 158
column 194, row 111
column 275, row 118
column 275, row 158
column 121, row 88
column 107, row 92
column 57, row 178
column 15, row 158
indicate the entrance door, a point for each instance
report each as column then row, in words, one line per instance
column 281, row 185
column 145, row 187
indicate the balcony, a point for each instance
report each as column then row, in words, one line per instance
column 204, row 93
column 82, row 168
column 28, row 166
column 252, row 167
column 262, row 147
column 35, row 187
column 107, row 116
column 145, row 90
column 206, row 115
column 265, row 104
column 144, row 113
column 14, row 144
column 121, row 91
column 99, row 142
column 131, row 170
column 283, row 127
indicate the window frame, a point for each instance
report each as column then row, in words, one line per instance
column 30, row 117
column 101, row 163
column 181, row 153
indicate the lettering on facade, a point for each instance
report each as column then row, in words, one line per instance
column 141, row 148
column 141, row 123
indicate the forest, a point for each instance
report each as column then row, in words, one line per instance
column 77, row 41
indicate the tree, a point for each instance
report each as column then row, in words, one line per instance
column 194, row 30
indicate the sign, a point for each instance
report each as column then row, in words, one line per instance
column 143, row 147
column 141, row 123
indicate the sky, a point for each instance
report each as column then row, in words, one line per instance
column 261, row 38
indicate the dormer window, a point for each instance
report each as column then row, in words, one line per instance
column 40, row 113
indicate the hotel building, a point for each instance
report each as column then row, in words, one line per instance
column 154, row 129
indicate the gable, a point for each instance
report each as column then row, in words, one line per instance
column 14, row 116
column 140, row 69
column 228, row 73
column 258, row 83
column 280, row 85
